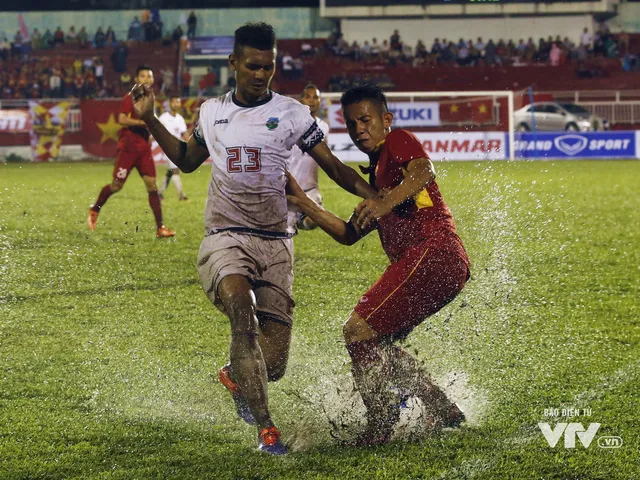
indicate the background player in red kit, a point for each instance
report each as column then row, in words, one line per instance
column 428, row 268
column 133, row 151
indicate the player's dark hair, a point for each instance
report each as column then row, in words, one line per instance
column 367, row 91
column 310, row 86
column 258, row 35
column 175, row 95
column 143, row 67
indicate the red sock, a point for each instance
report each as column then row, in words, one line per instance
column 365, row 352
column 104, row 195
column 154, row 202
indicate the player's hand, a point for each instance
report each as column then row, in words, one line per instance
column 143, row 100
column 294, row 190
column 371, row 210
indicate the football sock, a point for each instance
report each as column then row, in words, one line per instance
column 104, row 195
column 178, row 183
column 407, row 373
column 250, row 372
column 371, row 373
column 165, row 182
column 154, row 202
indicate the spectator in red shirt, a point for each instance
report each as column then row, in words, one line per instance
column 186, row 83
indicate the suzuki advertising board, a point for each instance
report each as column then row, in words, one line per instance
column 405, row 114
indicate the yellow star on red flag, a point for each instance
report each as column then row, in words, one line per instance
column 453, row 108
column 482, row 108
column 109, row 129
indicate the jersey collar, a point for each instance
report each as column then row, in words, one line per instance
column 266, row 99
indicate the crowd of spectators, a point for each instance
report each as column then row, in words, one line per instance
column 41, row 78
column 465, row 53
column 148, row 28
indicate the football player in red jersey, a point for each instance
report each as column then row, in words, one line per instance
column 133, row 151
column 429, row 265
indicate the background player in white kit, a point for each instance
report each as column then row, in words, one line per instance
column 174, row 122
column 246, row 258
column 304, row 168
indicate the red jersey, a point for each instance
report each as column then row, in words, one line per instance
column 424, row 218
column 132, row 138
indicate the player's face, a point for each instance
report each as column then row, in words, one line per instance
column 254, row 71
column 367, row 124
column 145, row 76
column 175, row 104
column 311, row 98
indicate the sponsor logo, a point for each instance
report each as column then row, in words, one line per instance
column 405, row 114
column 571, row 144
column 14, row 121
column 272, row 123
column 224, row 120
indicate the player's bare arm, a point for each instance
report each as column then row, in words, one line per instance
column 346, row 233
column 188, row 156
column 419, row 173
column 340, row 173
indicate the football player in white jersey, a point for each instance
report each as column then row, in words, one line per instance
column 304, row 168
column 174, row 122
column 246, row 258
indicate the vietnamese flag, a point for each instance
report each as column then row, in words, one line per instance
column 464, row 110
column 100, row 127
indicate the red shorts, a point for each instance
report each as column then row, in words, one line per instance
column 422, row 282
column 127, row 160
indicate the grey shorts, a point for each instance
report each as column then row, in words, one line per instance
column 267, row 263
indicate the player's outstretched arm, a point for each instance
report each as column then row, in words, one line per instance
column 340, row 173
column 188, row 156
column 418, row 174
column 343, row 232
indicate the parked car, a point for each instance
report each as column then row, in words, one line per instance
column 558, row 117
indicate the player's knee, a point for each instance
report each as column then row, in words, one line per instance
column 356, row 329
column 116, row 186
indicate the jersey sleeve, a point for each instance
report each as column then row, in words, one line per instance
column 127, row 105
column 198, row 130
column 404, row 146
column 306, row 131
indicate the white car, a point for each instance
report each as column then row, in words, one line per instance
column 551, row 116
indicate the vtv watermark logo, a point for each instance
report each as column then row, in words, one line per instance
column 570, row 431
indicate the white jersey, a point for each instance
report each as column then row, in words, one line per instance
column 250, row 147
column 177, row 127
column 174, row 123
column 304, row 168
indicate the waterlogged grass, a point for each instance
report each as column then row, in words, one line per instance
column 109, row 348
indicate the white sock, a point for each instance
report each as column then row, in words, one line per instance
column 178, row 183
column 165, row 184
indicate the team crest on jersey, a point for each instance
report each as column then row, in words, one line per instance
column 272, row 123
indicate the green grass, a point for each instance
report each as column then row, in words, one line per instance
column 109, row 348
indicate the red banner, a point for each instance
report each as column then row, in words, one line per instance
column 100, row 127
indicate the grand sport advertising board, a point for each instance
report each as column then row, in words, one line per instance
column 494, row 145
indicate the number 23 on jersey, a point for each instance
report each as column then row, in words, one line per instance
column 243, row 159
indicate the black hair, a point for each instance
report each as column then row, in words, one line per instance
column 258, row 35
column 309, row 86
column 143, row 67
column 175, row 95
column 367, row 91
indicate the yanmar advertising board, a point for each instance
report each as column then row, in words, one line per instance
column 405, row 114
column 439, row 146
column 570, row 145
